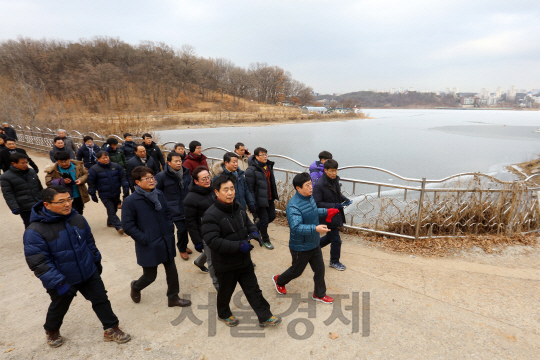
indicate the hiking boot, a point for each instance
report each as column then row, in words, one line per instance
column 280, row 289
column 325, row 299
column 273, row 321
column 188, row 250
column 338, row 266
column 116, row 335
column 268, row 245
column 135, row 294
column 230, row 321
column 120, row 231
column 184, row 255
column 54, row 339
column 202, row 268
column 179, row 302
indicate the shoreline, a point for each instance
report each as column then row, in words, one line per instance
column 225, row 124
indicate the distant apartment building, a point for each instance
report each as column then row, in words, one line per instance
column 511, row 96
column 498, row 93
column 467, row 101
column 484, row 93
column 492, row 100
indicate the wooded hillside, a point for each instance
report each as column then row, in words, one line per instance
column 47, row 78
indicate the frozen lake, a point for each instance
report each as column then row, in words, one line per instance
column 412, row 143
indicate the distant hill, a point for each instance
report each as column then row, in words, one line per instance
column 370, row 99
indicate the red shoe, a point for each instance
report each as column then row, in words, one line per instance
column 325, row 299
column 280, row 289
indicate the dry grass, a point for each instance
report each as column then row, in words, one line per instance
column 437, row 247
column 441, row 247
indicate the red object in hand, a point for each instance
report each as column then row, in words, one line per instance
column 331, row 213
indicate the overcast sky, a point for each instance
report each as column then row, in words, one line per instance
column 333, row 46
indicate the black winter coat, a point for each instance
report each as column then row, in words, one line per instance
column 133, row 163
column 152, row 230
column 327, row 194
column 223, row 227
column 56, row 149
column 84, row 154
column 197, row 201
column 108, row 180
column 167, row 182
column 154, row 151
column 10, row 132
column 5, row 161
column 257, row 184
column 129, row 149
column 21, row 189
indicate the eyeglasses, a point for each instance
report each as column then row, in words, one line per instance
column 206, row 178
column 70, row 200
column 149, row 179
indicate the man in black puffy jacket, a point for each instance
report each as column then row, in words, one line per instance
column 108, row 179
column 327, row 195
column 11, row 148
column 140, row 159
column 197, row 201
column 262, row 185
column 227, row 230
column 21, row 187
column 128, row 146
column 61, row 251
column 153, row 151
column 174, row 182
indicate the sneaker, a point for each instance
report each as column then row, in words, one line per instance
column 338, row 266
column 268, row 245
column 280, row 289
column 273, row 321
column 54, row 339
column 120, row 231
column 325, row 299
column 230, row 321
column 202, row 268
column 116, row 335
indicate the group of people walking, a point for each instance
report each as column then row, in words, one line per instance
column 160, row 195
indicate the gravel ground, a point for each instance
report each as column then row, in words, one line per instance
column 473, row 306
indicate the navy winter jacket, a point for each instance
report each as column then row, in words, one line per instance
column 84, row 154
column 152, row 230
column 303, row 217
column 242, row 194
column 129, row 149
column 107, row 179
column 327, row 194
column 167, row 182
column 60, row 249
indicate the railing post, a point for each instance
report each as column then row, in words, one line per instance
column 420, row 205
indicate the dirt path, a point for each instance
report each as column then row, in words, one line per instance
column 474, row 306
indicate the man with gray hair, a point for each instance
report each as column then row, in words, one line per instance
column 68, row 142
